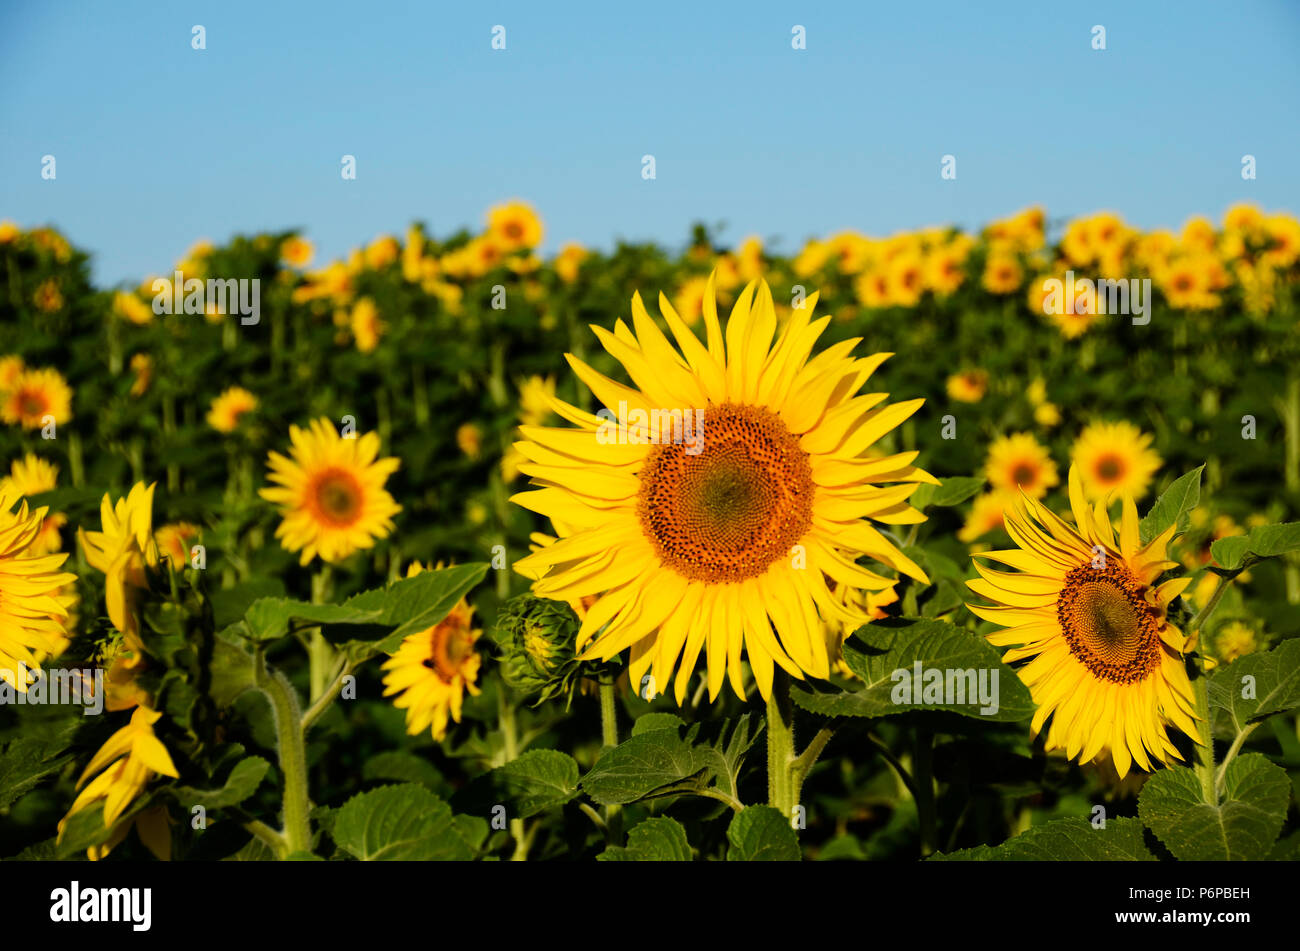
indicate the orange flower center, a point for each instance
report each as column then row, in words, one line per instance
column 32, row 402
column 450, row 643
column 1109, row 468
column 728, row 511
column 1108, row 624
column 335, row 498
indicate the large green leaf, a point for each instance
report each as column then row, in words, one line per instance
column 1174, row 506
column 268, row 619
column 1063, row 840
column 1243, row 825
column 945, row 652
column 1274, row 687
column 413, row 604
column 404, row 822
column 658, row 839
column 534, row 782
column 658, row 763
column 1236, row 552
column 762, row 834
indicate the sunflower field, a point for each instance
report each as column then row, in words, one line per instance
column 905, row 547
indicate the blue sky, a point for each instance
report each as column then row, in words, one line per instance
column 158, row 145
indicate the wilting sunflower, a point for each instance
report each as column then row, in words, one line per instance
column 1105, row 663
column 331, row 492
column 36, row 394
column 1019, row 462
column 125, row 551
column 129, row 760
column 722, row 536
column 229, row 408
column 432, row 669
column 1114, row 458
column 32, row 618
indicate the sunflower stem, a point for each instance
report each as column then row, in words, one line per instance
column 320, row 654
column 609, row 738
column 292, row 752
column 780, row 746
column 510, row 741
column 1204, row 752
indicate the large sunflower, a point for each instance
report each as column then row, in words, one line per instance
column 32, row 617
column 433, row 668
column 1104, row 661
column 1114, row 458
column 728, row 540
column 331, row 492
column 35, row 395
column 125, row 550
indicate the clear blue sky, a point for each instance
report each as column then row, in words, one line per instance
column 158, row 145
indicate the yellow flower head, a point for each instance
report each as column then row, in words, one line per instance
column 367, row 328
column 515, row 226
column 330, row 491
column 1019, row 462
column 31, row 476
column 11, row 368
column 432, row 670
column 175, row 542
column 35, row 395
column 125, row 764
column 142, row 367
column 35, row 625
column 296, row 252
column 229, row 408
column 469, row 437
column 721, row 533
column 1083, row 610
column 569, row 261
column 1002, row 274
column 1234, row 640
column 124, row 550
column 1114, row 457
column 969, row 386
column 535, row 396
column 986, row 515
column 48, row 298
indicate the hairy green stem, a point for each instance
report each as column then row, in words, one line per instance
column 780, row 746
column 292, row 753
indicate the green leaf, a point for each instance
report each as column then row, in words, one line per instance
column 649, row 722
column 402, row 767
column 659, row 763
column 394, row 823
column 880, row 649
column 659, row 839
column 1237, row 552
column 1063, row 840
column 1244, row 824
column 762, row 834
column 413, row 604
column 534, row 782
column 1275, row 687
column 954, row 491
column 268, row 618
column 1174, row 506
column 240, row 784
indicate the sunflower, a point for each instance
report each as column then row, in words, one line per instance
column 331, row 492
column 985, row 516
column 125, row 551
column 11, row 368
column 296, row 252
column 432, row 669
column 30, row 476
column 1019, row 462
column 1234, row 640
column 126, row 764
column 35, row 395
column 906, row 279
column 690, row 299
column 1105, row 663
column 1002, row 274
column 469, row 438
column 1114, row 457
column 535, row 395
column 1188, row 282
column 569, row 261
column 515, row 225
column 142, row 367
column 48, row 298
column 367, row 327
column 969, row 386
column 229, row 408
column 34, row 620
column 176, row 542
column 724, row 540
column 945, row 269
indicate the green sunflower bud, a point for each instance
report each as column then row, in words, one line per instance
column 536, row 637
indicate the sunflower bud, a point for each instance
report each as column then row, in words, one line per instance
column 536, row 637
